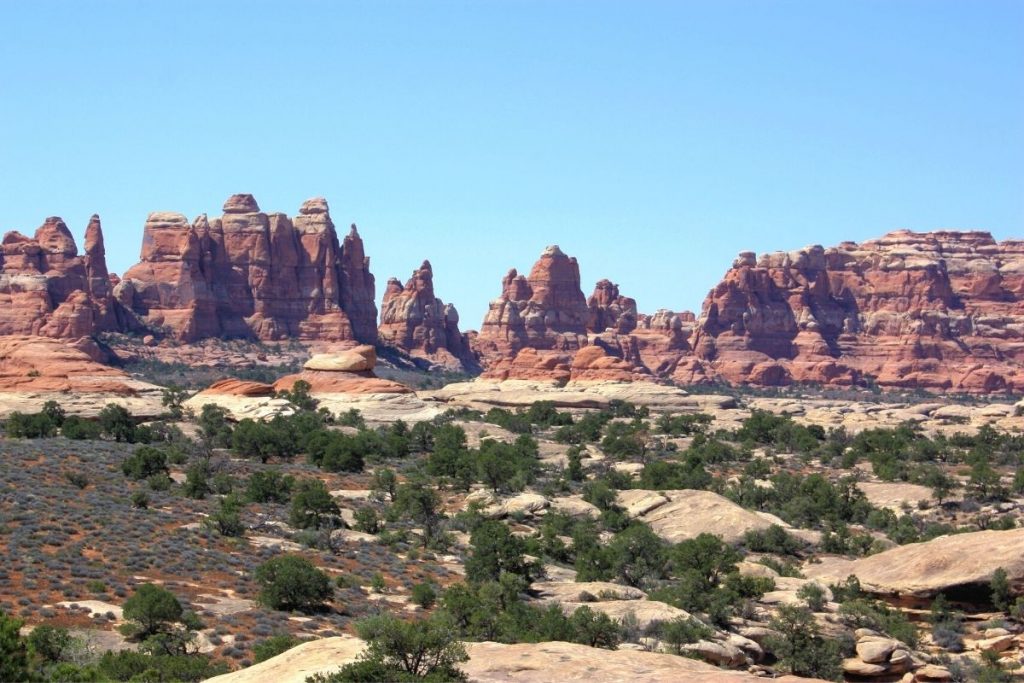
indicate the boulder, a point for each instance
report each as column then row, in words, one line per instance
column 360, row 359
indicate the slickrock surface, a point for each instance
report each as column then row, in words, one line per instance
column 324, row 655
column 521, row 393
column 34, row 370
column 680, row 515
column 340, row 381
column 923, row 569
column 416, row 321
column 526, row 662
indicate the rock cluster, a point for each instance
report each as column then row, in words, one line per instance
column 48, row 289
column 544, row 311
column 940, row 311
column 247, row 274
column 416, row 321
column 253, row 275
column 542, row 327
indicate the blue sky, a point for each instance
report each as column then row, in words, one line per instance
column 652, row 140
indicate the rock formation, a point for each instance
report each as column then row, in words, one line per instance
column 47, row 289
column 536, row 328
column 413, row 319
column 609, row 310
column 940, row 311
column 347, row 372
column 252, row 275
column 544, row 311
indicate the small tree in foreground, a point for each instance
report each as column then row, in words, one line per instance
column 153, row 608
column 404, row 651
column 800, row 648
column 13, row 651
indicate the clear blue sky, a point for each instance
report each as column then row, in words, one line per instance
column 652, row 140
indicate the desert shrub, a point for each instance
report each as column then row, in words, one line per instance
column 404, row 651
column 153, row 608
column 291, row 582
column 625, row 440
column 197, row 480
column 813, row 596
column 312, row 505
column 1000, row 590
column 145, row 462
column 682, row 631
column 77, row 479
column 384, row 483
column 269, row 486
column 774, row 539
column 14, row 662
column 505, row 466
column 135, row 666
column 172, row 397
column 687, row 472
column 214, row 426
column 875, row 615
column 117, row 423
column 159, row 482
column 424, row 595
column 947, row 625
column 29, row 426
column 80, row 429
column 418, row 501
column 685, row 425
column 351, row 418
column 636, row 556
column 367, row 520
column 494, row 551
column 227, row 519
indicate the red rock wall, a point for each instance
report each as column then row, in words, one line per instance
column 250, row 274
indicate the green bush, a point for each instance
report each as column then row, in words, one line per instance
column 80, row 429
column 291, row 582
column 269, row 486
column 29, row 426
column 145, row 462
column 117, row 422
column 313, row 506
column 424, row 595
